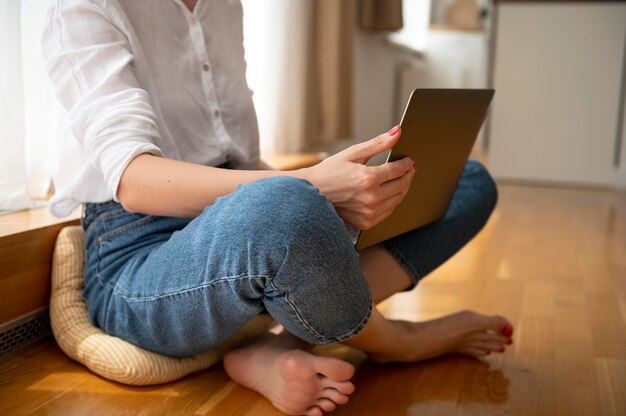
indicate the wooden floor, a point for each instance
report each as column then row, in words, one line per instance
column 552, row 260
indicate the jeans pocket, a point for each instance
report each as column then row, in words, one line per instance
column 118, row 222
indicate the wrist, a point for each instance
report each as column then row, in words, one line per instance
column 303, row 173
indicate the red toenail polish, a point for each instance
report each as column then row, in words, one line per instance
column 507, row 330
column 501, row 349
column 509, row 341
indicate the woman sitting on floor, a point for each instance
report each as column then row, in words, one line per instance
column 188, row 236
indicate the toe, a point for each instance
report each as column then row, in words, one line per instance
column 487, row 346
column 344, row 387
column 474, row 351
column 489, row 337
column 325, row 404
column 488, row 341
column 507, row 330
column 496, row 323
column 334, row 368
column 314, row 411
column 503, row 326
column 336, row 396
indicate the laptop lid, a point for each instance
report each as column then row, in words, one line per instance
column 439, row 128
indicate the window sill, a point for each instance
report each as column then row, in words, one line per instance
column 405, row 47
column 32, row 219
column 291, row 161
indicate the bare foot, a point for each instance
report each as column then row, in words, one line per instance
column 464, row 332
column 294, row 380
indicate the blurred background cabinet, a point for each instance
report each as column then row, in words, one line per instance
column 558, row 70
column 452, row 45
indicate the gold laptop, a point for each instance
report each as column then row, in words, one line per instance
column 439, row 128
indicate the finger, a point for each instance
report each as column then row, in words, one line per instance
column 376, row 200
column 362, row 221
column 383, row 216
column 364, row 151
column 392, row 170
column 395, row 186
column 392, row 202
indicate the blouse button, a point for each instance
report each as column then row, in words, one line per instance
column 205, row 67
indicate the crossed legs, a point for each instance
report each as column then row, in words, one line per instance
column 282, row 368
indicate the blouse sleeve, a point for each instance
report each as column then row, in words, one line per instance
column 89, row 62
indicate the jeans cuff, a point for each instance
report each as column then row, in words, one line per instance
column 346, row 336
column 321, row 339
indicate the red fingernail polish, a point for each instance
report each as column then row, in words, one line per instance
column 394, row 130
column 507, row 330
column 501, row 349
column 509, row 342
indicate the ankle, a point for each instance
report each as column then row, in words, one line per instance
column 401, row 345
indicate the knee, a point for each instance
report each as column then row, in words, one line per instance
column 292, row 207
column 318, row 273
column 485, row 189
column 281, row 188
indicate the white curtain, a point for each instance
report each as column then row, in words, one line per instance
column 277, row 37
column 299, row 55
column 26, row 105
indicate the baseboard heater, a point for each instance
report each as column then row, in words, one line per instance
column 16, row 335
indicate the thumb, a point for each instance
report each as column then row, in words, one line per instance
column 364, row 151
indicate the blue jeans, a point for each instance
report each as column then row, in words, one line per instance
column 180, row 286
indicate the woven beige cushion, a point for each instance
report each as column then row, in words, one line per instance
column 106, row 355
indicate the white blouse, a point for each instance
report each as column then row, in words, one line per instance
column 139, row 76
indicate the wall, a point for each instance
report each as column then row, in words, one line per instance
column 621, row 173
column 373, row 85
column 558, row 72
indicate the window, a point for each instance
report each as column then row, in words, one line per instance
column 416, row 18
column 25, row 107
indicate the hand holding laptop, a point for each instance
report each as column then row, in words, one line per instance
column 439, row 128
column 364, row 195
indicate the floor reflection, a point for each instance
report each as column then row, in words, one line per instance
column 432, row 387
